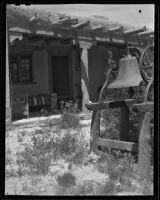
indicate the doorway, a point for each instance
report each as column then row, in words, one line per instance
column 60, row 76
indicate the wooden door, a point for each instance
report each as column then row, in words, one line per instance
column 60, row 76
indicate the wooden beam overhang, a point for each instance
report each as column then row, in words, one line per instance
column 61, row 21
column 80, row 25
column 97, row 28
column 35, row 38
column 58, row 41
column 34, row 18
column 115, row 29
column 134, row 31
column 146, row 33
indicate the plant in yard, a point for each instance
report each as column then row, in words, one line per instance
column 8, row 157
column 67, row 144
column 66, row 180
column 10, row 170
column 120, row 167
column 87, row 188
column 80, row 152
column 69, row 120
column 108, row 188
column 110, row 122
column 38, row 154
column 69, row 106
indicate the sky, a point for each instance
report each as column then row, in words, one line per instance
column 133, row 14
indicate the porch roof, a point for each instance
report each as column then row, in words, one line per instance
column 56, row 25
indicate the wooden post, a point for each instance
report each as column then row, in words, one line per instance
column 124, row 123
column 8, row 103
column 95, row 130
column 144, row 151
column 84, row 74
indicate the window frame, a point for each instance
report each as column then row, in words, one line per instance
column 18, row 60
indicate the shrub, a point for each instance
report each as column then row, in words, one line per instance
column 37, row 155
column 69, row 120
column 108, row 188
column 66, row 180
column 110, row 121
column 86, row 188
column 67, row 144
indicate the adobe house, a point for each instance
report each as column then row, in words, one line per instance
column 54, row 53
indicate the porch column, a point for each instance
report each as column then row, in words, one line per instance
column 84, row 74
column 8, row 103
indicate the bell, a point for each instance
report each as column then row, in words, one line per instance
column 128, row 74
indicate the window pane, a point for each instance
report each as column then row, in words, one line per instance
column 25, row 69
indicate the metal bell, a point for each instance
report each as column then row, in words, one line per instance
column 128, row 74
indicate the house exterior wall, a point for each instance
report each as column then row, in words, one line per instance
column 42, row 69
column 97, row 62
column 40, row 72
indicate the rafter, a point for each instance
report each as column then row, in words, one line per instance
column 60, row 21
column 80, row 25
column 96, row 28
column 150, row 32
column 115, row 29
column 134, row 31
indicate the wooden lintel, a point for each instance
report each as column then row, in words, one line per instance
column 96, row 28
column 115, row 29
column 51, row 40
column 80, row 25
column 144, row 107
column 33, row 39
column 109, row 104
column 115, row 144
column 146, row 33
column 134, row 31
column 60, row 21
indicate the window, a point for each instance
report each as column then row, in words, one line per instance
column 21, row 68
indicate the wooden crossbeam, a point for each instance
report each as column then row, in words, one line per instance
column 116, row 144
column 52, row 40
column 144, row 107
column 133, row 31
column 109, row 104
column 80, row 25
column 60, row 21
column 33, row 39
column 115, row 29
column 96, row 28
column 146, row 33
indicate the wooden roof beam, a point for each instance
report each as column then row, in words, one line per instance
column 60, row 21
column 115, row 29
column 146, row 33
column 33, row 39
column 97, row 28
column 80, row 25
column 134, row 31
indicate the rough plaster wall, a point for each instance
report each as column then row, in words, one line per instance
column 97, row 61
column 40, row 76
